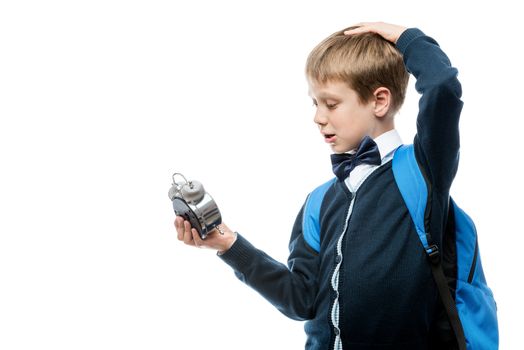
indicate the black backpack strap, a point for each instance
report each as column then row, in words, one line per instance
column 445, row 295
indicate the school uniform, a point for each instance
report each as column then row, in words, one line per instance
column 364, row 281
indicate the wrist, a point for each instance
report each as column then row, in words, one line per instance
column 407, row 37
column 228, row 242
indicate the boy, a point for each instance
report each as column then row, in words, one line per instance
column 363, row 282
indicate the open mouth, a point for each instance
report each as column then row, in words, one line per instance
column 329, row 137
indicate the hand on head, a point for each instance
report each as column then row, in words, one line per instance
column 390, row 32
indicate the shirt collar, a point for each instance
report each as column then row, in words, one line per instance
column 388, row 142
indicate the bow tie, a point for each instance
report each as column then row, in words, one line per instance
column 367, row 153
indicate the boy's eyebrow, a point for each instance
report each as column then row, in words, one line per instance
column 324, row 96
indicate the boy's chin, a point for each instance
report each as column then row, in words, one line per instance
column 338, row 148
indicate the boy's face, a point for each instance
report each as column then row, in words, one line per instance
column 342, row 119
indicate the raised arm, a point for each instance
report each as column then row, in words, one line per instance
column 437, row 141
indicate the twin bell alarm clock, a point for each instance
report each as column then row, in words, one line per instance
column 191, row 201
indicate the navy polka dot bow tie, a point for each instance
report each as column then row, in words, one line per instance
column 367, row 153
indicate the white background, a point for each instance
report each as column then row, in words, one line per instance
column 101, row 101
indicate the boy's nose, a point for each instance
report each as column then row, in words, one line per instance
column 320, row 118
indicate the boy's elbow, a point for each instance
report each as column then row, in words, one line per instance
column 299, row 303
column 455, row 87
column 446, row 80
column 298, row 314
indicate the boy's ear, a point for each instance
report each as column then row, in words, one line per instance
column 383, row 101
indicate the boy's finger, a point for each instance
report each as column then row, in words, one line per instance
column 179, row 225
column 196, row 238
column 362, row 28
column 188, row 237
column 353, row 31
column 356, row 26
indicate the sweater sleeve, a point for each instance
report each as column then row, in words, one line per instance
column 436, row 144
column 291, row 289
column 437, row 141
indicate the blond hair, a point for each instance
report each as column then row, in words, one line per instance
column 365, row 62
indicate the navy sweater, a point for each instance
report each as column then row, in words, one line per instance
column 386, row 293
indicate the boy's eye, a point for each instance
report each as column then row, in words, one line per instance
column 329, row 105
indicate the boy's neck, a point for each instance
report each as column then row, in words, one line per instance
column 382, row 129
column 388, row 142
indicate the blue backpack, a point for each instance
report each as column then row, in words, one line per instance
column 473, row 313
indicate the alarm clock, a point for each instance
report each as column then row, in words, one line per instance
column 194, row 204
